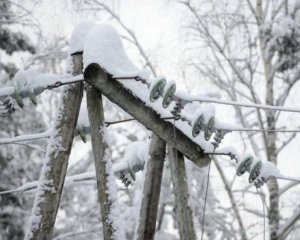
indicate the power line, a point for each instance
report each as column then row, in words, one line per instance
column 46, row 134
column 259, row 130
column 249, row 105
column 9, row 91
column 205, row 200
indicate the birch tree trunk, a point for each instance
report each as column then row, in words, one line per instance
column 103, row 165
column 271, row 150
column 55, row 165
column 151, row 191
column 272, row 154
column 183, row 211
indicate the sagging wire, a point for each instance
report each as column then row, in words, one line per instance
column 132, row 119
column 264, row 212
column 223, row 129
column 15, row 92
column 205, row 200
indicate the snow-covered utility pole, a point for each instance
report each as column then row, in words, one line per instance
column 107, row 193
column 184, row 214
column 54, row 169
column 151, row 191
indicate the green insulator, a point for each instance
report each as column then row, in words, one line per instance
column 167, row 99
column 198, row 126
column 209, row 129
column 244, row 166
column 157, row 89
column 255, row 171
column 18, row 97
column 32, row 97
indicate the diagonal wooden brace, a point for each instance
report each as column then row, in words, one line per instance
column 151, row 191
column 123, row 97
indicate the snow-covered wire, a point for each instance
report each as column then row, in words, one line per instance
column 260, row 130
column 47, row 83
column 250, row 105
column 264, row 212
column 205, row 200
column 27, row 137
column 223, row 102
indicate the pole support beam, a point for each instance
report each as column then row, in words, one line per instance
column 123, row 97
column 151, row 191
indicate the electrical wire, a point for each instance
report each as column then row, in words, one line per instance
column 249, row 105
column 205, row 200
column 231, row 103
column 260, row 130
column 264, row 214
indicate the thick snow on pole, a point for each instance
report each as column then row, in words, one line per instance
column 107, row 193
column 184, row 214
column 151, row 190
column 55, row 165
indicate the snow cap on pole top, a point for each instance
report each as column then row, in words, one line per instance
column 103, row 45
column 79, row 35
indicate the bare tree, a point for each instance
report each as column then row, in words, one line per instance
column 251, row 54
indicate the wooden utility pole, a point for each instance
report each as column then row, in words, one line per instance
column 116, row 92
column 55, row 165
column 151, row 191
column 183, row 211
column 102, row 159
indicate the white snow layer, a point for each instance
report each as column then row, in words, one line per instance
column 83, row 118
column 23, row 78
column 79, row 35
column 103, row 45
column 136, row 153
column 111, row 189
column 269, row 169
column 35, row 81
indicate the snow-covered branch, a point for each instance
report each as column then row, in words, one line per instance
column 129, row 165
column 287, row 187
column 26, row 137
column 284, row 230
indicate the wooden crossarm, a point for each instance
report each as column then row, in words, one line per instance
column 124, row 98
